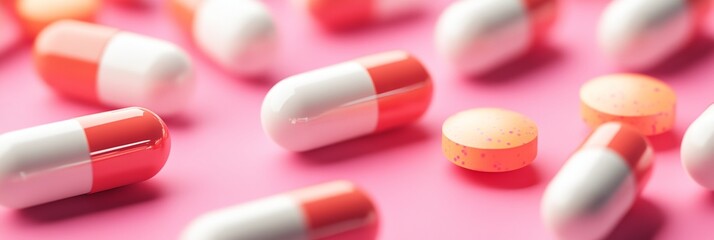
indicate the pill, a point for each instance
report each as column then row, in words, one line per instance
column 489, row 140
column 83, row 155
column 639, row 34
column 347, row 100
column 698, row 149
column 477, row 36
column 338, row 209
column 35, row 15
column 346, row 14
column 598, row 185
column 98, row 64
column 638, row 100
column 240, row 36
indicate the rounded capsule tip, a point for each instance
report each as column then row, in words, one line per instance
column 126, row 146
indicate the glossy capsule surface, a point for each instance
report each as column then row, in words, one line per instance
column 83, row 155
column 347, row 100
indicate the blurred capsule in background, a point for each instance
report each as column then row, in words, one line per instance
column 11, row 32
column 240, row 36
column 99, row 64
column 82, row 155
column 346, row 14
column 334, row 210
column 35, row 15
column 641, row 101
column 347, row 100
column 476, row 36
column 638, row 34
column 698, row 149
column 598, row 184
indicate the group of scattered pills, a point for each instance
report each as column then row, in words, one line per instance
column 315, row 109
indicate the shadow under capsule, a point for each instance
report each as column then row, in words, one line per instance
column 643, row 221
column 379, row 142
column 91, row 203
column 518, row 68
column 686, row 58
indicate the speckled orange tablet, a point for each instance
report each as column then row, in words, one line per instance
column 35, row 15
column 490, row 140
column 638, row 100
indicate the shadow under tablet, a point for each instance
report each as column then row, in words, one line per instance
column 91, row 203
column 365, row 145
column 525, row 177
column 643, row 221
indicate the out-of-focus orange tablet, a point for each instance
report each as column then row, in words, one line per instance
column 490, row 140
column 35, row 15
column 641, row 101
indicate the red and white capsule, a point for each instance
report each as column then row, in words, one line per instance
column 346, row 100
column 344, row 14
column 335, row 210
column 476, row 36
column 82, row 155
column 598, row 184
column 240, row 36
column 697, row 151
column 98, row 64
column 639, row 34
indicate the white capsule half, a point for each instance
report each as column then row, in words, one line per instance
column 697, row 149
column 82, row 155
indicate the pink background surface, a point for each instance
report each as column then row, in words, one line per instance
column 221, row 157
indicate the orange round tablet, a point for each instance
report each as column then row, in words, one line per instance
column 490, row 140
column 641, row 101
column 35, row 15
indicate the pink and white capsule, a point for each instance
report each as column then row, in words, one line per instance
column 598, row 184
column 346, row 100
column 476, row 36
column 638, row 34
column 698, row 149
